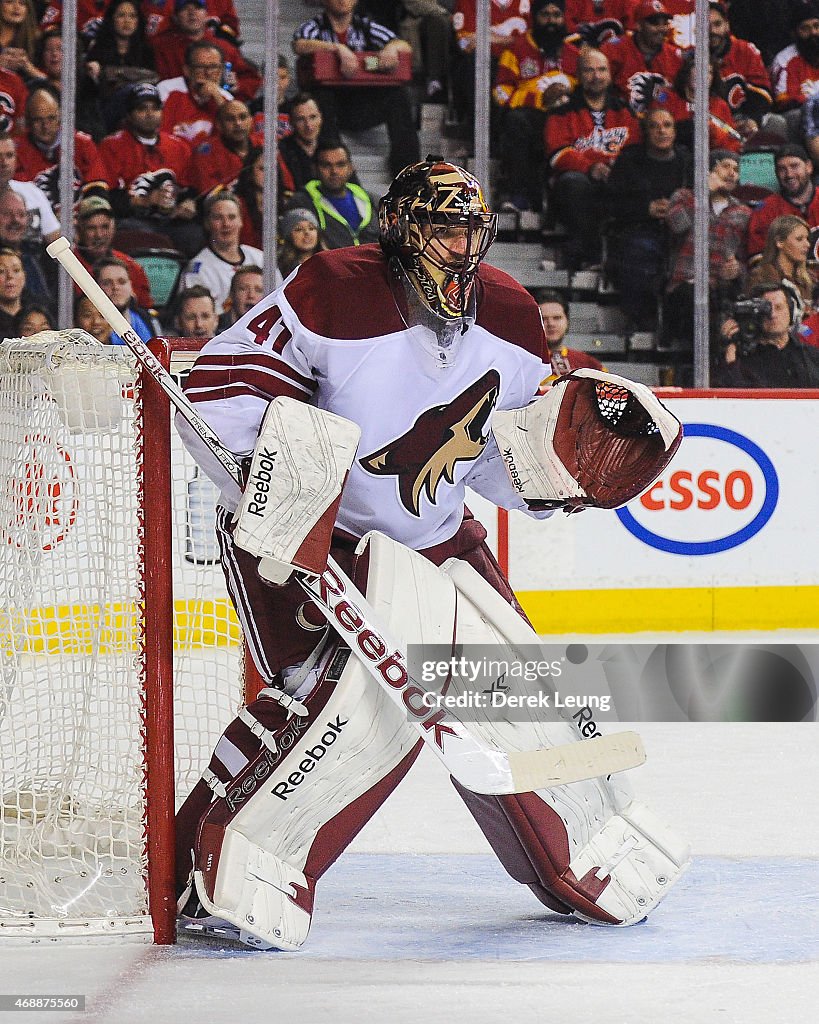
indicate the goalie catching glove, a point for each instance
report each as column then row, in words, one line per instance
column 594, row 439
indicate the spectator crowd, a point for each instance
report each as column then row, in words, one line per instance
column 591, row 127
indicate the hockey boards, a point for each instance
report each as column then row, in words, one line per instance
column 479, row 765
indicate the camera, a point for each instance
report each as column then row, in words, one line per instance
column 750, row 315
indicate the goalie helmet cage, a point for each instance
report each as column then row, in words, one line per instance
column 120, row 657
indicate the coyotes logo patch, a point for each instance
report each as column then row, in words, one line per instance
column 440, row 438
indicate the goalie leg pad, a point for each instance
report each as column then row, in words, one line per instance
column 298, row 794
column 282, row 817
column 593, row 848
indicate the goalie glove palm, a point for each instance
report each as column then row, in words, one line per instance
column 594, row 439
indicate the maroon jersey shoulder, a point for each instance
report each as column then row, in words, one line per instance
column 345, row 294
column 508, row 311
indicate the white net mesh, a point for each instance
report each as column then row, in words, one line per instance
column 72, row 800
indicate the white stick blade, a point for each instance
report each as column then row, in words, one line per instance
column 574, row 762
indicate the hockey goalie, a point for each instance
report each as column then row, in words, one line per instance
column 362, row 397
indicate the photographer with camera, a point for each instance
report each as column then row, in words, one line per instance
column 761, row 346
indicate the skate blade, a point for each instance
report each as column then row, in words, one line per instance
column 214, row 930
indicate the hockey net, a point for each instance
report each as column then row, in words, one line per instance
column 114, row 624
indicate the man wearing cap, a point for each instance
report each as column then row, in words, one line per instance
column 746, row 84
column 644, row 63
column 38, row 151
column 95, row 233
column 797, row 195
column 218, row 159
column 189, row 24
column 346, row 213
column 596, row 21
column 152, row 171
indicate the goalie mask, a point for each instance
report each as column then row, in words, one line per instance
column 434, row 220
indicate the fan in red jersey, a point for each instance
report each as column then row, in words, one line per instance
column 38, row 151
column 152, row 171
column 645, row 62
column 582, row 142
column 795, row 70
column 597, row 21
column 190, row 23
column 746, row 84
column 534, row 77
column 797, row 195
column 222, row 18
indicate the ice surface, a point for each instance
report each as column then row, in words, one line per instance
column 416, row 922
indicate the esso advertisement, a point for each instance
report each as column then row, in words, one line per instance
column 719, row 492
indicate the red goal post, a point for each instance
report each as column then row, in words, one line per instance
column 120, row 658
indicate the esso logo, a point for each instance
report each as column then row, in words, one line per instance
column 719, row 491
column 682, row 490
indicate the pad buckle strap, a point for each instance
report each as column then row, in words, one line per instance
column 212, row 780
column 290, row 704
column 258, row 730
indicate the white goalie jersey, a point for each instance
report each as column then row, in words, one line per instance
column 424, row 411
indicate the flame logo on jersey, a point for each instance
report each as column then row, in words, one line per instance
column 439, row 439
column 734, row 91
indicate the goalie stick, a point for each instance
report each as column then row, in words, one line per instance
column 474, row 764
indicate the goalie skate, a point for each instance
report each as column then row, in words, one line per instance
column 195, row 922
